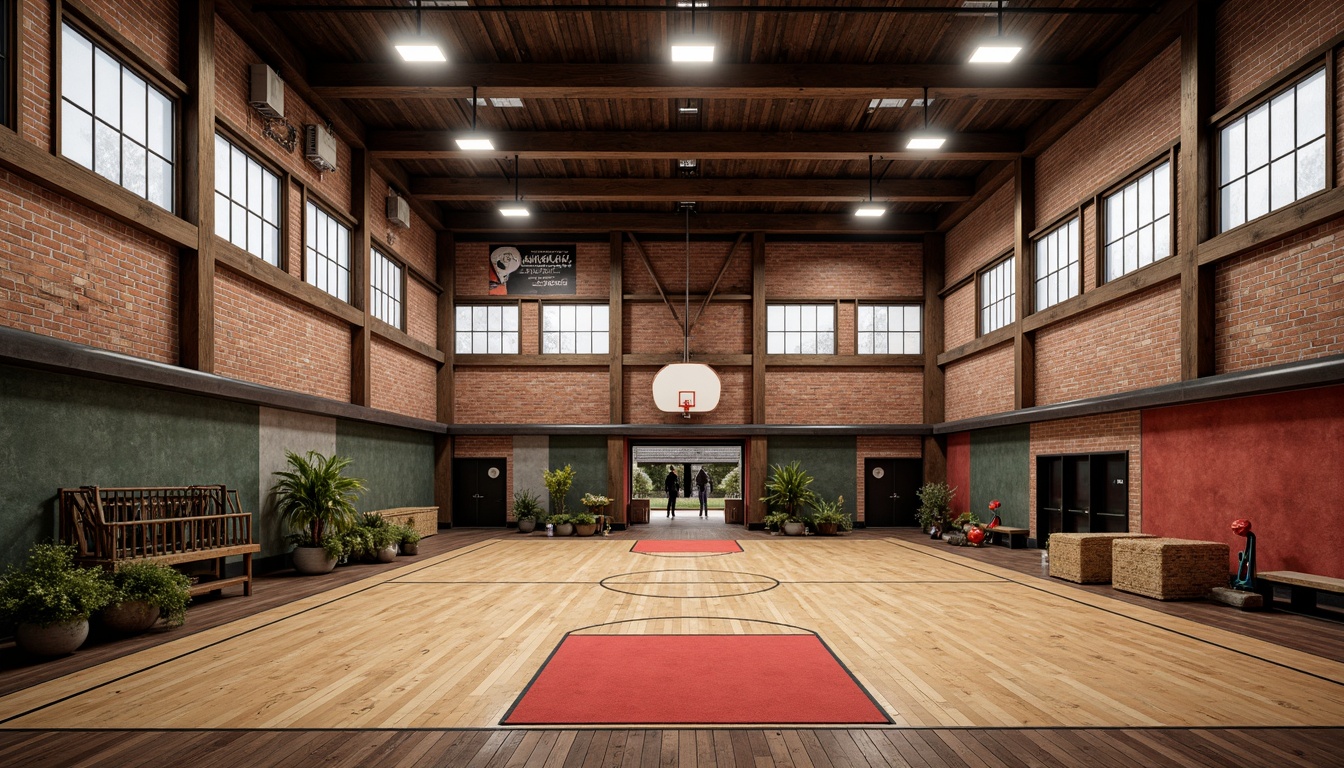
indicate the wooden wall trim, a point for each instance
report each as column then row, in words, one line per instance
column 846, row 361
column 616, row 342
column 361, row 336
column 196, row 264
column 682, row 429
column 935, row 395
column 758, row 309
column 1024, row 342
column 1305, row 214
column 402, row 339
column 237, row 260
column 1120, row 288
column 979, row 344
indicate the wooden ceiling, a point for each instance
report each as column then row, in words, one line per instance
column 783, row 126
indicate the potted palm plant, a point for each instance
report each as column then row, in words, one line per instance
column 316, row 501
column 526, row 510
column 144, row 592
column 50, row 599
column 787, row 492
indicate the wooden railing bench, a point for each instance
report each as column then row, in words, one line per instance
column 1013, row 538
column 1302, row 587
column 172, row 526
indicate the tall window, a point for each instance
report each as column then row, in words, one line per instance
column 491, row 330
column 800, row 329
column 247, row 202
column 326, row 262
column 1273, row 155
column 385, row 282
column 6, row 63
column 114, row 122
column 1057, row 265
column 1138, row 222
column 575, row 329
column 889, row 330
column 997, row 292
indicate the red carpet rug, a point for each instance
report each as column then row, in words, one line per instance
column 693, row 679
column 654, row 546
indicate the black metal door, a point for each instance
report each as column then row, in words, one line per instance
column 1077, row 494
column 1049, row 497
column 1110, row 489
column 889, row 487
column 479, row 487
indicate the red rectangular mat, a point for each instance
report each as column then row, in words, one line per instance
column 652, row 546
column 693, row 679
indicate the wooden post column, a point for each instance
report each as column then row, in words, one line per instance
column 361, row 337
column 1195, row 189
column 756, row 448
column 616, row 464
column 196, row 273
column 1024, row 218
column 935, row 446
column 446, row 262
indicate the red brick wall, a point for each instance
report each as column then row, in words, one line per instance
column 959, row 317
column 668, row 259
column 531, row 395
column 980, row 385
column 79, row 276
column 150, row 24
column 1256, row 40
column 482, row 447
column 877, row 447
column 842, row 270
column 843, row 395
column 1131, row 344
column 303, row 349
column 724, row 328
column 981, row 236
column 1109, row 433
column 1281, row 303
column 35, row 100
column 422, row 306
column 415, row 246
column 734, row 402
column 403, row 382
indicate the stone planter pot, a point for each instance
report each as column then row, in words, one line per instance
column 311, row 561
column 828, row 529
column 130, row 617
column 408, row 548
column 585, row 529
column 388, row 554
column 53, row 640
column 794, row 529
column 564, row 529
column 527, row 525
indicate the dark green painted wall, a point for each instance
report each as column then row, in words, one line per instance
column 832, row 461
column 588, row 457
column 999, row 470
column 397, row 465
column 64, row 431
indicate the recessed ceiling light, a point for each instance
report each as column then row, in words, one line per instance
column 474, row 142
column 688, row 110
column 886, row 103
column 688, row 163
column 421, row 52
column 514, row 210
column 505, row 103
column 692, row 49
column 869, row 210
column 925, row 141
column 996, row 50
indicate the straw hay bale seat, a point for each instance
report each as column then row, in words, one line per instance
column 1007, row 535
column 172, row 526
column 425, row 520
column 1302, row 587
column 1084, row 558
column 1168, row 569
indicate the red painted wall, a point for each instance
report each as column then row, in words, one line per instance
column 959, row 470
column 1276, row 459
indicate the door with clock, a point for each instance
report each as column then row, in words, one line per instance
column 889, row 487
column 480, row 490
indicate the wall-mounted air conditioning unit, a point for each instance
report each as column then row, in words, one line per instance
column 268, row 91
column 398, row 210
column 319, row 146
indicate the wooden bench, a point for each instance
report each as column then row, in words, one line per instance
column 1013, row 538
column 1302, row 587
column 172, row 526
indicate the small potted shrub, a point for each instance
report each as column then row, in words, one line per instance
column 787, row 491
column 382, row 537
column 316, row 502
column 143, row 593
column 564, row 526
column 830, row 517
column 558, row 482
column 774, row 521
column 935, row 504
column 410, row 540
column 50, row 599
column 526, row 510
column 585, row 523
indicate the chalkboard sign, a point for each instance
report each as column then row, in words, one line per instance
column 532, row 270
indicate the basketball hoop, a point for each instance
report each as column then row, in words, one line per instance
column 686, row 399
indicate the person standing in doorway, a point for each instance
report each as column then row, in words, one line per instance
column 673, row 487
column 702, row 485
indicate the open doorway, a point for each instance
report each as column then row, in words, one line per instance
column 721, row 462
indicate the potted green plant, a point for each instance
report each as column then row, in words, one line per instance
column 143, row 592
column 774, row 520
column 564, row 525
column 315, row 500
column 50, row 599
column 787, row 491
column 526, row 510
column 935, row 504
column 830, row 517
column 409, row 540
column 382, row 537
column 558, row 482
column 585, row 523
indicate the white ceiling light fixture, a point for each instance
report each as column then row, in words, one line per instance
column 870, row 209
column 516, row 209
column 474, row 141
column 420, row 49
column 997, row 49
column 926, row 139
column 692, row 48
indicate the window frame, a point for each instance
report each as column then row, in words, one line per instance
column 1039, row 235
column 1264, row 94
column 321, row 205
column 254, row 152
column 12, row 57
column 835, row 326
column 376, row 247
column 990, row 266
column 1168, row 154
column 473, row 302
column 555, row 302
column 889, row 304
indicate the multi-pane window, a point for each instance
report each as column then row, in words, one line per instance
column 1057, row 265
column 247, row 202
column 114, row 122
column 1138, row 222
column 1274, row 154
column 889, row 329
column 326, row 252
column 575, row 329
column 997, row 293
column 385, row 279
column 800, row 329
column 488, row 330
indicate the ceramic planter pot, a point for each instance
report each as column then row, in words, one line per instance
column 564, row 529
column 585, row 529
column 54, row 639
column 827, row 529
column 793, row 529
column 409, row 548
column 311, row 561
column 388, row 554
column 129, row 617
column 527, row 525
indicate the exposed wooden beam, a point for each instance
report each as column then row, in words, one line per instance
column 361, row 337
column 704, row 145
column 563, row 222
column 648, row 265
column 727, row 260
column 445, row 259
column 616, row 345
column 393, row 80
column 758, row 317
column 935, row 394
column 1194, row 167
column 196, row 278
column 994, row 176
column 703, row 190
column 1024, row 342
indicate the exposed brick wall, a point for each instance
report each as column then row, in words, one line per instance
column 150, row 24
column 843, row 270
column 35, row 100
column 724, row 328
column 844, row 395
column 669, row 264
column 876, row 447
column 415, row 246
column 734, row 401
column 403, row 382
column 1256, row 40
column 1281, row 303
column 592, row 266
column 980, row 385
column 483, row 447
column 422, row 306
column 1109, row 433
column 1131, row 344
column 303, row 350
column 959, row 317
column 531, row 395
column 83, row 277
column 981, row 236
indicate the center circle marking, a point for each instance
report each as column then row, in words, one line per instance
column 673, row 583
